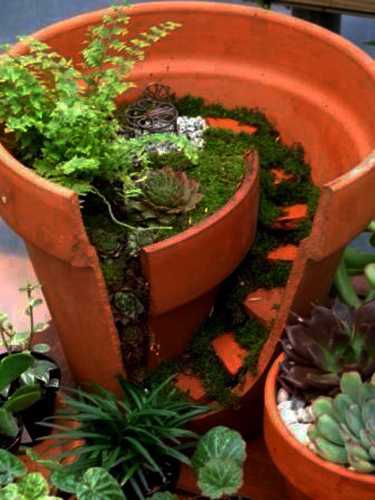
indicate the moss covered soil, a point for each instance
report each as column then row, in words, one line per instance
column 226, row 149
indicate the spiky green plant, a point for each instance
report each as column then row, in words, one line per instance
column 129, row 437
column 344, row 430
column 332, row 341
column 165, row 194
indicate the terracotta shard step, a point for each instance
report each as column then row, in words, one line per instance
column 191, row 385
column 291, row 216
column 285, row 252
column 279, row 175
column 263, row 304
column 228, row 123
column 230, row 352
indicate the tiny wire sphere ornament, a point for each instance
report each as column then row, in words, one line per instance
column 154, row 112
column 159, row 92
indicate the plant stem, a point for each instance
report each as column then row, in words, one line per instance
column 31, row 313
column 3, row 338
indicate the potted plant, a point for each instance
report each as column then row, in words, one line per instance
column 43, row 372
column 140, row 439
column 319, row 355
column 14, row 401
column 103, row 160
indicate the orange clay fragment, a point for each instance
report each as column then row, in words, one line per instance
column 229, row 124
column 279, row 175
column 231, row 354
column 291, row 216
column 263, row 304
column 190, row 384
column 286, row 252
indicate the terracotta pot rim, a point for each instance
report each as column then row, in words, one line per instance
column 278, row 424
column 206, row 7
column 67, row 25
column 241, row 192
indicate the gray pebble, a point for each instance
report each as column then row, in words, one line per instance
column 299, row 431
column 282, row 395
column 288, row 416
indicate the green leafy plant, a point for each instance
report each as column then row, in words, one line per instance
column 164, row 495
column 60, row 117
column 218, row 461
column 344, row 430
column 334, row 340
column 22, row 341
column 130, row 437
column 96, row 483
column 11, row 368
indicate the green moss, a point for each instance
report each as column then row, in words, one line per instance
column 252, row 336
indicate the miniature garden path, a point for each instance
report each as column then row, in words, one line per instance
column 261, row 304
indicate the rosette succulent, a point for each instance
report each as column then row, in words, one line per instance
column 344, row 430
column 165, row 194
column 332, row 341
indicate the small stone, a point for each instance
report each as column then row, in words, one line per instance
column 299, row 431
column 288, row 416
column 282, row 394
column 298, row 404
column 285, row 405
column 305, row 415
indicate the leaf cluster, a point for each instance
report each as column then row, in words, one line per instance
column 129, row 437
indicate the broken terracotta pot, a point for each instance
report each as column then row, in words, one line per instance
column 313, row 478
column 314, row 86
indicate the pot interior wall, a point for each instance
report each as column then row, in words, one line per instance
column 315, row 87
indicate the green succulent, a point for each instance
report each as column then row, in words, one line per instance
column 165, row 194
column 332, row 341
column 344, row 430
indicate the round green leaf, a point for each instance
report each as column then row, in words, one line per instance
column 220, row 442
column 98, row 484
column 164, row 495
column 33, row 486
column 219, row 478
column 65, row 480
column 10, row 467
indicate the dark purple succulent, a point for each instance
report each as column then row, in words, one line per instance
column 332, row 341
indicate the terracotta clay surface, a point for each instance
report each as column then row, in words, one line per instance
column 228, row 123
column 306, row 473
column 230, row 353
column 263, row 304
column 315, row 87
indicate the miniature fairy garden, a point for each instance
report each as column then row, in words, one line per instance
column 149, row 169
column 326, row 395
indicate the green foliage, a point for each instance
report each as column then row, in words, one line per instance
column 334, row 340
column 61, row 117
column 344, row 430
column 12, row 367
column 98, row 484
column 17, row 484
column 130, row 436
column 164, row 495
column 11, row 468
column 218, row 461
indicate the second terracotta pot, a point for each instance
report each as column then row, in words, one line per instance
column 308, row 476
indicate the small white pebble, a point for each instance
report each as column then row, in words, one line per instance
column 299, row 431
column 288, row 416
column 282, row 394
column 305, row 415
column 285, row 405
column 298, row 403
